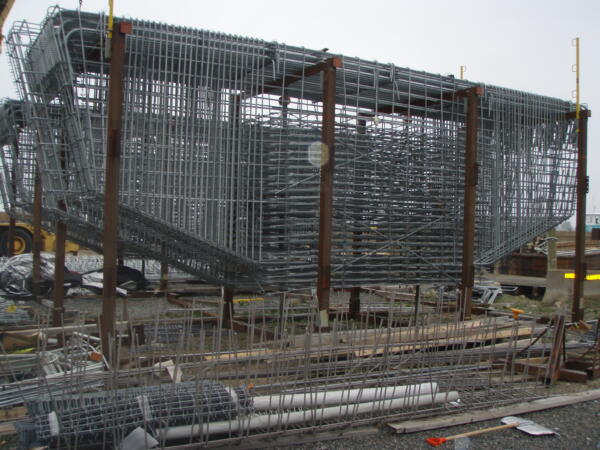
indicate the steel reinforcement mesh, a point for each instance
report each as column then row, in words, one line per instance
column 221, row 155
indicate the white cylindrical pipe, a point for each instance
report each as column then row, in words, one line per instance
column 283, row 419
column 325, row 398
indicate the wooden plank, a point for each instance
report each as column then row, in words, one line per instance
column 407, row 334
column 67, row 329
column 13, row 413
column 481, row 336
column 7, row 429
column 577, row 376
column 413, row 426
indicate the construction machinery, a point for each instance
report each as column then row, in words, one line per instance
column 23, row 241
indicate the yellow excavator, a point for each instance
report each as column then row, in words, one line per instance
column 24, row 238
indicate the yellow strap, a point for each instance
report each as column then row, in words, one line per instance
column 592, row 277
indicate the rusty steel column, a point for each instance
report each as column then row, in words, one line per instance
column 228, row 311
column 470, row 198
column 417, row 302
column 37, row 235
column 10, row 236
column 554, row 361
column 59, row 272
column 111, row 188
column 164, row 269
column 582, row 189
column 354, row 306
column 326, row 192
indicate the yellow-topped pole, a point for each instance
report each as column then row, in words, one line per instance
column 577, row 98
column 110, row 18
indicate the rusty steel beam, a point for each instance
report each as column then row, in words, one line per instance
column 37, row 236
column 470, row 198
column 425, row 103
column 582, row 189
column 286, row 80
column 111, row 189
column 326, row 194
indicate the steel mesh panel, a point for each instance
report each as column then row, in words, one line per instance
column 221, row 155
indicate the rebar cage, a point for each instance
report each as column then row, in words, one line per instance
column 221, row 153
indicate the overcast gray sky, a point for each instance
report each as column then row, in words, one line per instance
column 520, row 44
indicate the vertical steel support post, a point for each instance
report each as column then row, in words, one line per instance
column 37, row 235
column 60, row 233
column 417, row 302
column 554, row 361
column 59, row 271
column 10, row 251
column 582, row 188
column 164, row 269
column 10, row 236
column 228, row 311
column 326, row 192
column 470, row 197
column 111, row 188
column 354, row 306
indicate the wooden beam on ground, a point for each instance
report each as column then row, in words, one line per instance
column 413, row 426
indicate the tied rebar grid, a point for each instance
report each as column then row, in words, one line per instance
column 308, row 366
column 17, row 154
column 221, row 155
column 109, row 416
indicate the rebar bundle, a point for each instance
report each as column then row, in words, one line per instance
column 221, row 153
column 111, row 415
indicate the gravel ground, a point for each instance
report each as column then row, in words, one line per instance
column 578, row 428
